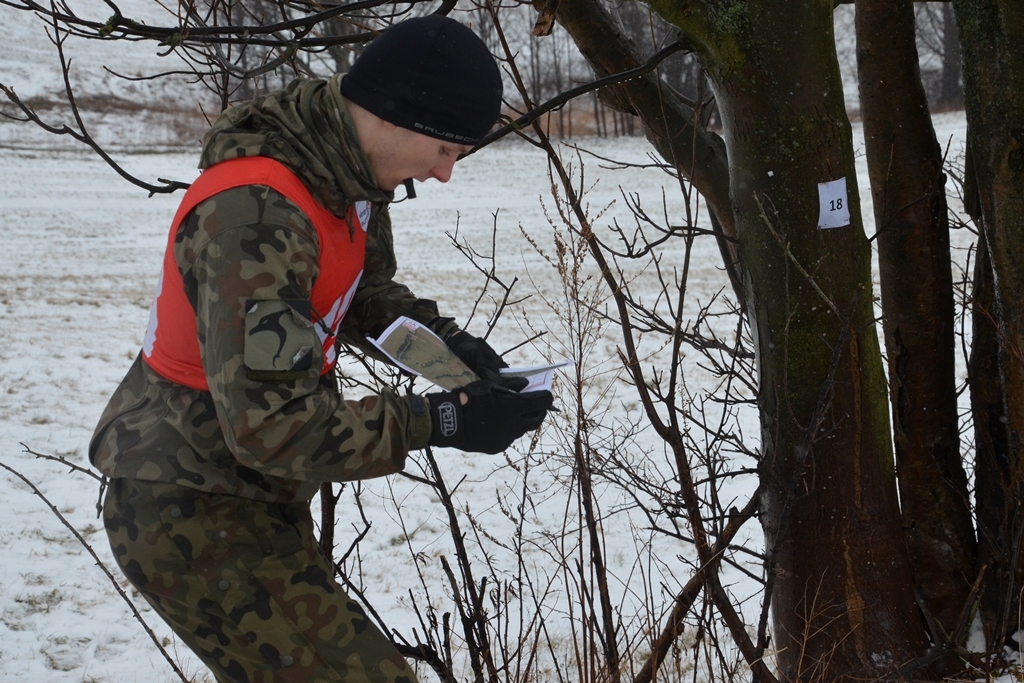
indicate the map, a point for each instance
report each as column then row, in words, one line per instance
column 413, row 347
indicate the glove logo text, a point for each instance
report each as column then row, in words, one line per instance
column 446, row 411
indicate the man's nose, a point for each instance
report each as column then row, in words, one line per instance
column 443, row 171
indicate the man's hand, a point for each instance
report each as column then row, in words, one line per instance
column 476, row 353
column 484, row 417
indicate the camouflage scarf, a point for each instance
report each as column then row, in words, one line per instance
column 307, row 127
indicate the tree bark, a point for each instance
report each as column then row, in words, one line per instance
column 992, row 44
column 912, row 228
column 991, row 472
column 843, row 601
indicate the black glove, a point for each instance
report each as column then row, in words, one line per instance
column 476, row 353
column 491, row 420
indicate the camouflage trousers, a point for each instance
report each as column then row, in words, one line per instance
column 245, row 586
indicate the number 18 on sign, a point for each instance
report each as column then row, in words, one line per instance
column 833, row 204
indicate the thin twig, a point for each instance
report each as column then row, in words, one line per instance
column 63, row 461
column 535, row 113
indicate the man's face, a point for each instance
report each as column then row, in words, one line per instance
column 407, row 154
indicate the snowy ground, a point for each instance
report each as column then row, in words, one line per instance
column 161, row 111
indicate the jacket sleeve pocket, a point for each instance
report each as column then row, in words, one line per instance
column 280, row 340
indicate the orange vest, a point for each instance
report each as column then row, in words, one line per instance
column 171, row 345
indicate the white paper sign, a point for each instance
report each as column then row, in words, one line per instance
column 833, row 204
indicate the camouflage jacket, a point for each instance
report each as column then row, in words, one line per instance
column 271, row 440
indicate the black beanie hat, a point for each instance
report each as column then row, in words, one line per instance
column 431, row 75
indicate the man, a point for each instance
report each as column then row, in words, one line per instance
column 230, row 418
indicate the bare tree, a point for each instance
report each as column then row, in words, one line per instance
column 993, row 66
column 938, row 42
column 905, row 166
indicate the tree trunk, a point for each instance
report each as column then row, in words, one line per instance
column 843, row 601
column 951, row 96
column 991, row 471
column 912, row 227
column 992, row 44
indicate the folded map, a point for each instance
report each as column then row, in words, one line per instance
column 415, row 348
